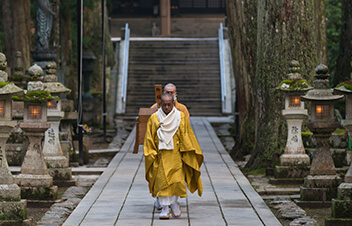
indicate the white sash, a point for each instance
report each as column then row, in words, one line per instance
column 168, row 125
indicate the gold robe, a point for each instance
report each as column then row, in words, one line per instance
column 167, row 170
column 180, row 107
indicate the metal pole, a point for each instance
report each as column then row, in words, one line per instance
column 79, row 72
column 103, row 64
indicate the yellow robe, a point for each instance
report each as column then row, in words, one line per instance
column 167, row 170
column 180, row 107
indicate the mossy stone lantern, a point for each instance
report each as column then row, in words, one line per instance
column 345, row 88
column 341, row 207
column 11, row 205
column 56, row 162
column 34, row 172
column 7, row 90
column 294, row 113
column 321, row 184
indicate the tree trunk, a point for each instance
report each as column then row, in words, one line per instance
column 16, row 20
column 344, row 67
column 322, row 45
column 284, row 33
column 242, row 32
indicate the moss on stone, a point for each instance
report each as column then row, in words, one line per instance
column 17, row 77
column 36, row 193
column 2, row 84
column 35, row 97
column 293, row 84
column 346, row 85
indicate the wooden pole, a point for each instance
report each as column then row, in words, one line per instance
column 79, row 78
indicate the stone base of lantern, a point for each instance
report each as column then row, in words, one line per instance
column 294, row 160
column 60, row 173
column 320, row 187
column 37, row 187
column 341, row 208
column 10, row 192
column 291, row 171
column 12, row 212
column 39, row 193
column 56, row 161
column 34, row 180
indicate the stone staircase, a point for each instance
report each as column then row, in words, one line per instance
column 192, row 65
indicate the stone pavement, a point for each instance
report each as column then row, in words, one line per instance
column 120, row 196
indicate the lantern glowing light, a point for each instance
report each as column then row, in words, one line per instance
column 322, row 111
column 2, row 108
column 34, row 112
column 294, row 101
column 52, row 105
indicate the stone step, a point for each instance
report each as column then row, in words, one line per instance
column 278, row 191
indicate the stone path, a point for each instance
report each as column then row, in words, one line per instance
column 120, row 196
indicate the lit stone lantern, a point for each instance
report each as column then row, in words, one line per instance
column 11, row 204
column 56, row 162
column 294, row 113
column 34, row 179
column 341, row 207
column 321, row 184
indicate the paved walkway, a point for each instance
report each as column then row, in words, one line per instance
column 120, row 196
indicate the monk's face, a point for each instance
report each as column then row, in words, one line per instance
column 170, row 90
column 167, row 104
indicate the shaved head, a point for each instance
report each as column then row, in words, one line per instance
column 170, row 85
column 167, row 102
column 170, row 89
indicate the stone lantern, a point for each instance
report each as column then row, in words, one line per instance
column 321, row 184
column 11, row 204
column 34, row 179
column 294, row 113
column 342, row 206
column 88, row 59
column 56, row 162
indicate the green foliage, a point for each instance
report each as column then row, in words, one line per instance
column 333, row 29
column 257, row 171
column 35, row 97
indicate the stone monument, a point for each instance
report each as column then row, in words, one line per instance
column 34, row 179
column 56, row 162
column 294, row 162
column 70, row 117
column 13, row 209
column 45, row 14
column 322, row 182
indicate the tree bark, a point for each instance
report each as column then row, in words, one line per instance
column 16, row 21
column 242, row 32
column 322, row 45
column 284, row 33
column 344, row 67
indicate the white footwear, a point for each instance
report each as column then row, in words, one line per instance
column 175, row 209
column 157, row 204
column 165, row 213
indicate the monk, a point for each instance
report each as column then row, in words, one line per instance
column 171, row 89
column 172, row 157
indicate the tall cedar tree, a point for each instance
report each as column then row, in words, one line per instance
column 283, row 33
column 16, row 22
column 344, row 67
column 242, row 24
